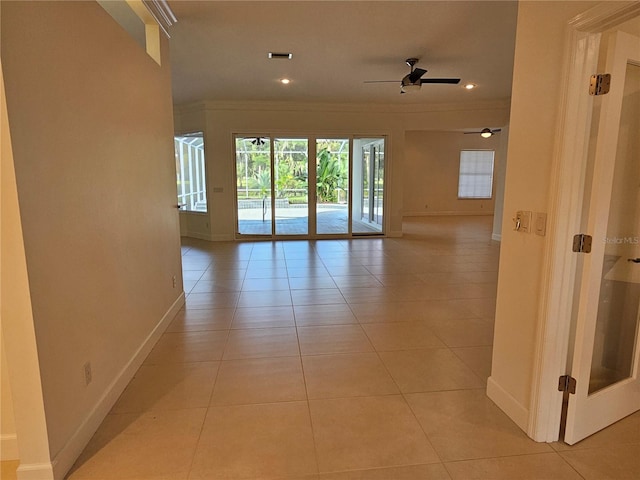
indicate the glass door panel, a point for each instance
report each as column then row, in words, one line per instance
column 368, row 186
column 377, row 185
column 273, row 186
column 332, row 186
column 606, row 348
column 291, row 167
column 253, row 185
column 617, row 317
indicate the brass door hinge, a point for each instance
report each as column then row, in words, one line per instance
column 600, row 84
column 566, row 383
column 582, row 243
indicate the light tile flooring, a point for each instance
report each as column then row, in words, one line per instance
column 336, row 360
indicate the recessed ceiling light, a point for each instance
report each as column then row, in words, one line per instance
column 470, row 86
column 286, row 56
column 285, row 81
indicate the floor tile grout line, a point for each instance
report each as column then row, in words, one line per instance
column 452, row 350
column 520, row 455
column 306, row 390
column 406, row 402
column 307, row 400
column 197, row 445
column 415, row 416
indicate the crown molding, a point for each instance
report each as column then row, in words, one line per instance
column 604, row 16
column 217, row 105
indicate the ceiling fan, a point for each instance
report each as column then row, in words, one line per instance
column 413, row 80
column 485, row 132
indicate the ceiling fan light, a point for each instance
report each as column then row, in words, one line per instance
column 470, row 86
column 486, row 133
column 410, row 87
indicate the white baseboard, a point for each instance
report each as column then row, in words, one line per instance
column 209, row 237
column 9, row 447
column 509, row 405
column 496, row 236
column 222, row 237
column 198, row 235
column 36, row 471
column 67, row 456
column 445, row 214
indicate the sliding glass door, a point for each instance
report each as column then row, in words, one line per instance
column 291, row 186
column 253, row 186
column 368, row 186
column 332, row 186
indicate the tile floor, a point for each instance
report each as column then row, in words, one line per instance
column 336, row 360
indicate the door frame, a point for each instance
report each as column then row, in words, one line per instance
column 553, row 334
column 371, row 198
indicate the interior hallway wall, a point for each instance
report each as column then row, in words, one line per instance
column 16, row 317
column 91, row 123
column 8, row 436
column 533, row 128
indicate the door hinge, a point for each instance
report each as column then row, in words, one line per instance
column 582, row 243
column 600, row 84
column 566, row 383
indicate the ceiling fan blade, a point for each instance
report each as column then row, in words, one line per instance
column 415, row 75
column 496, row 130
column 451, row 81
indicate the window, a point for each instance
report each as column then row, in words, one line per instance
column 476, row 174
column 143, row 21
column 192, row 185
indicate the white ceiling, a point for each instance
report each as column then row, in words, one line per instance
column 219, row 50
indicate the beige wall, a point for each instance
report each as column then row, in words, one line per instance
column 534, row 123
column 16, row 317
column 91, row 125
column 8, row 438
column 220, row 121
column 431, row 169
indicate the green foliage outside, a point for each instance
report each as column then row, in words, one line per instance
column 291, row 181
column 329, row 177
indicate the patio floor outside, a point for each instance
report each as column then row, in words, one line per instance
column 294, row 220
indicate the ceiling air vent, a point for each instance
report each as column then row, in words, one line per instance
column 286, row 56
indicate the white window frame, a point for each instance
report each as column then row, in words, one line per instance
column 191, row 173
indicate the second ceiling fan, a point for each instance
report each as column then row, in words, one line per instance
column 413, row 80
